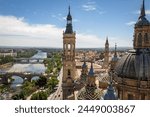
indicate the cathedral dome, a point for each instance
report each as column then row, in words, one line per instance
column 134, row 65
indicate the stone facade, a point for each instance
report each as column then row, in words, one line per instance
column 69, row 65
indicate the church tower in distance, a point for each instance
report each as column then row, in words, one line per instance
column 69, row 65
column 106, row 55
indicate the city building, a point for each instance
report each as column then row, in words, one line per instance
column 90, row 91
column 8, row 53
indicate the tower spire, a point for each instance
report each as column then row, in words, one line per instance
column 142, row 14
column 91, row 72
column 115, row 50
column 107, row 40
column 69, row 29
column 84, row 64
column 69, row 9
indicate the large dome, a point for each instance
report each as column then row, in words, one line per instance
column 134, row 65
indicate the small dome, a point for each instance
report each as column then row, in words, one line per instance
column 91, row 72
column 134, row 65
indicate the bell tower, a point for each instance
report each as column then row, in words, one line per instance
column 69, row 65
column 142, row 31
column 106, row 57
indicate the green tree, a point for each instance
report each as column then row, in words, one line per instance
column 39, row 96
column 41, row 82
column 52, row 82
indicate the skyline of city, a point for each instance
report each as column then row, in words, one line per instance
column 41, row 24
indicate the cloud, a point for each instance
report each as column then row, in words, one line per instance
column 17, row 32
column 92, row 6
column 89, row 6
column 131, row 23
column 59, row 17
column 147, row 12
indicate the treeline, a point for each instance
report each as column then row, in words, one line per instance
column 6, row 59
column 53, row 64
column 26, row 53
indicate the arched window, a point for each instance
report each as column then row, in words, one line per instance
column 146, row 38
column 139, row 40
column 69, row 46
column 69, row 72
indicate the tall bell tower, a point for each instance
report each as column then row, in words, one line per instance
column 142, row 31
column 106, row 57
column 69, row 65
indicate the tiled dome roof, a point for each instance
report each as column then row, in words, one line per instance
column 134, row 65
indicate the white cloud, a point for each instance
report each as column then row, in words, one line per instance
column 92, row 6
column 131, row 23
column 17, row 32
column 89, row 6
column 147, row 12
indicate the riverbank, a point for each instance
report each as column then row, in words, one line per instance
column 6, row 65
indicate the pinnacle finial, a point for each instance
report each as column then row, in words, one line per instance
column 107, row 40
column 69, row 9
column 142, row 14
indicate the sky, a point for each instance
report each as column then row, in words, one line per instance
column 40, row 23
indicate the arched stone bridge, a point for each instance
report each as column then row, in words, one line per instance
column 29, row 60
column 28, row 76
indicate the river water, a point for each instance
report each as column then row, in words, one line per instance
column 28, row 68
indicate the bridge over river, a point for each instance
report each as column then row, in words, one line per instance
column 25, row 76
column 29, row 60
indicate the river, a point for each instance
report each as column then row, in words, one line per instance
column 28, row 68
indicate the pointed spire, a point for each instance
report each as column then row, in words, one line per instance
column 107, row 40
column 110, row 93
column 69, row 14
column 69, row 29
column 84, row 64
column 142, row 14
column 69, row 9
column 91, row 72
